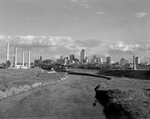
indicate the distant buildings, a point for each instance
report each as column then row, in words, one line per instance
column 14, row 63
column 137, row 60
column 40, row 59
column 100, row 60
column 61, row 61
column 108, row 60
column 62, row 57
column 134, row 65
column 72, row 58
column 82, row 55
column 96, row 59
column 86, row 60
column 123, row 62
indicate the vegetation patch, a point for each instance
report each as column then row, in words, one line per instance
column 138, row 74
column 123, row 103
column 88, row 74
column 15, row 81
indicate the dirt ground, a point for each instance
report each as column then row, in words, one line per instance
column 70, row 99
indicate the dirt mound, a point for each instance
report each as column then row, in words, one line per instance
column 121, row 103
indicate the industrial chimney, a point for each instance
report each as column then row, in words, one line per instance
column 23, row 58
column 29, row 59
column 15, row 51
column 7, row 53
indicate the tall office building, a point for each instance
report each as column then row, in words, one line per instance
column 95, row 59
column 15, row 57
column 62, row 57
column 134, row 64
column 40, row 59
column 123, row 61
column 108, row 60
column 82, row 55
column 86, row 60
column 137, row 60
column 72, row 57
column 100, row 60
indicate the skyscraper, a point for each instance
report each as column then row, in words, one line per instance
column 108, row 60
column 82, row 55
column 123, row 61
column 15, row 58
column 40, row 59
column 137, row 60
column 62, row 57
column 95, row 59
column 72, row 57
column 134, row 65
column 100, row 60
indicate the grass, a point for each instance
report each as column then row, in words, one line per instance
column 14, row 81
column 138, row 74
column 121, row 103
column 124, row 96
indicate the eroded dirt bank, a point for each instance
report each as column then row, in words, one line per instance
column 15, row 81
column 124, row 103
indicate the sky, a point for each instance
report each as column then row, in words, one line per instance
column 51, row 28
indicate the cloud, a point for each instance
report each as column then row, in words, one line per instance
column 120, row 48
column 52, row 46
column 100, row 13
column 75, row 1
column 95, row 46
column 31, row 18
column 26, row 0
column 83, row 3
column 30, row 41
column 85, row 6
column 140, row 14
column 46, row 45
column 75, row 18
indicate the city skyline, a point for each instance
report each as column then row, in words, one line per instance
column 71, row 57
column 115, row 28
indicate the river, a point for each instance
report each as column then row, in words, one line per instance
column 70, row 99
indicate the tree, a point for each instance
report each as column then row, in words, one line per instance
column 8, row 64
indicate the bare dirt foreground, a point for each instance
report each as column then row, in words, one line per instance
column 69, row 99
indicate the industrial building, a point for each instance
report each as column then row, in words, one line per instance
column 15, row 58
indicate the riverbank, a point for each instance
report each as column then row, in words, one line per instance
column 88, row 74
column 123, row 103
column 70, row 99
column 122, row 97
column 137, row 74
column 15, row 81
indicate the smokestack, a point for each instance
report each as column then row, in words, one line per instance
column 29, row 59
column 15, row 55
column 134, row 65
column 7, row 52
column 23, row 58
